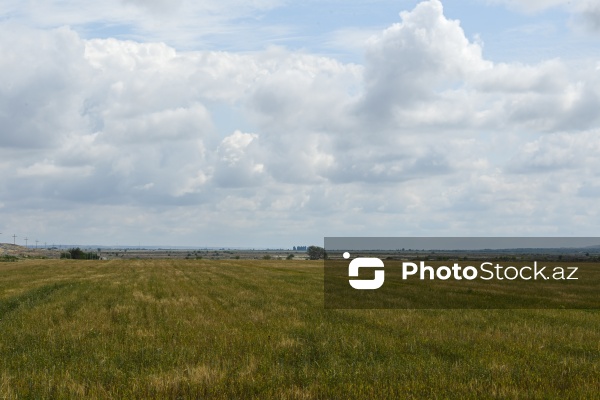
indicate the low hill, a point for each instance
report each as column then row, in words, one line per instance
column 22, row 251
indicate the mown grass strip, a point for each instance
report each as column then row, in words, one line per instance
column 29, row 299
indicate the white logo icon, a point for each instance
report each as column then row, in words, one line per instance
column 362, row 262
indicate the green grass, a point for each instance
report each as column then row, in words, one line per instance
column 258, row 329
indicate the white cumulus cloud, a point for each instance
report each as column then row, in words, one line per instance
column 427, row 136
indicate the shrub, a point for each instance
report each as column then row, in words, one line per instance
column 316, row 252
column 78, row 254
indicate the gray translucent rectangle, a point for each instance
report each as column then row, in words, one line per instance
column 460, row 243
column 504, row 272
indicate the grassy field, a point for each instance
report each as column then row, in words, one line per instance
column 258, row 329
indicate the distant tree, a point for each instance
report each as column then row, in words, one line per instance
column 316, row 252
column 78, row 254
column 290, row 256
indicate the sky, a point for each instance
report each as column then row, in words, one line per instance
column 275, row 123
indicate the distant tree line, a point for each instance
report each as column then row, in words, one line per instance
column 78, row 254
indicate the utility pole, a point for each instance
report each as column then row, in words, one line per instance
column 14, row 237
column 36, row 242
column 26, row 239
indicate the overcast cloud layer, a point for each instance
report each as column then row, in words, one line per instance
column 110, row 141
